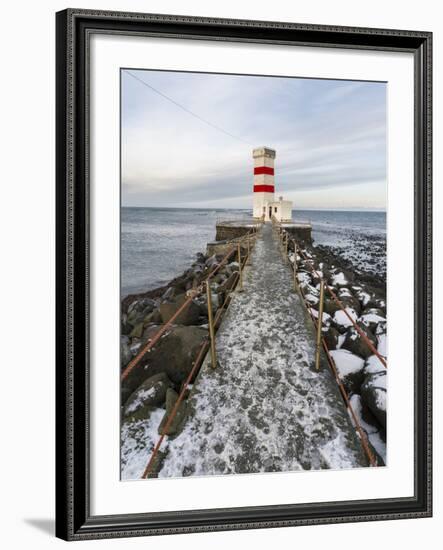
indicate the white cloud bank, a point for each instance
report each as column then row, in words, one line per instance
column 330, row 138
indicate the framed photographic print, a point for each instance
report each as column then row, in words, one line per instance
column 243, row 274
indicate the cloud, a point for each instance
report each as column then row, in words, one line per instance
column 328, row 135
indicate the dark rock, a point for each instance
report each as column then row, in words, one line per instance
column 330, row 306
column 211, row 261
column 137, row 331
column 356, row 344
column 179, row 416
column 348, row 299
column 150, row 331
column 373, row 389
column 126, row 328
column 135, row 347
column 155, row 316
column 151, row 393
column 139, row 309
column 330, row 334
column 322, row 274
column 169, row 294
column 173, row 354
column 188, row 316
column 350, row 369
column 228, row 283
column 125, row 354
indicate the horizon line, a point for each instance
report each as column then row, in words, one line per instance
column 315, row 209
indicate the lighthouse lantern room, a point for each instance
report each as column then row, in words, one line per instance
column 264, row 204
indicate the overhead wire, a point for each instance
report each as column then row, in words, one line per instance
column 195, row 115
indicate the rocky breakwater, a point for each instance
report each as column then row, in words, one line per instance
column 150, row 389
column 363, row 296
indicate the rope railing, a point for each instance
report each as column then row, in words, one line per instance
column 318, row 323
column 337, row 301
column 208, row 344
column 192, row 295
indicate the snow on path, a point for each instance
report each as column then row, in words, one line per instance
column 264, row 408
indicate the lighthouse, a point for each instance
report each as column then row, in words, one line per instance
column 264, row 204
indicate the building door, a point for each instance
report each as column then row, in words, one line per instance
column 270, row 212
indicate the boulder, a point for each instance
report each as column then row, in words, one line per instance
column 150, row 331
column 373, row 389
column 169, row 293
column 319, row 275
column 311, row 298
column 125, row 354
column 341, row 278
column 351, row 302
column 330, row 306
column 179, row 417
column 173, row 354
column 126, row 327
column 137, row 331
column 354, row 343
column 349, row 369
column 200, row 258
column 228, row 283
column 139, row 309
column 151, row 393
column 188, row 316
column 330, row 334
column 341, row 321
column 211, row 261
column 376, row 437
column 372, row 298
column 372, row 317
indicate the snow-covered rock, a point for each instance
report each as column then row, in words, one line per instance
column 339, row 279
column 356, row 344
column 150, row 394
column 349, row 368
column 341, row 321
column 376, row 436
column 372, row 317
column 382, row 344
column 373, row 389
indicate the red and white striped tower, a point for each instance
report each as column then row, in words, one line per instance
column 263, row 182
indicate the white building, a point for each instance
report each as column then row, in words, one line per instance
column 264, row 204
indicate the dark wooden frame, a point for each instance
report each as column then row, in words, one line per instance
column 74, row 28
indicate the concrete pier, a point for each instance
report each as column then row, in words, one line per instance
column 265, row 407
column 225, row 230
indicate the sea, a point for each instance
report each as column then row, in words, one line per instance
column 158, row 244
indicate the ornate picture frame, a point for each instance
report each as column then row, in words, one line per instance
column 75, row 27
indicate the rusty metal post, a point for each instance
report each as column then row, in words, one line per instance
column 319, row 324
column 211, row 325
column 248, row 262
column 240, row 273
column 294, row 266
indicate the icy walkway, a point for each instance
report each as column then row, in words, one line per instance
column 265, row 408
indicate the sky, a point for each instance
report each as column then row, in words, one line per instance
column 329, row 136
